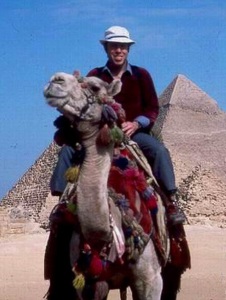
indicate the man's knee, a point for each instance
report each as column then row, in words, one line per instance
column 66, row 152
column 65, row 157
column 162, row 151
column 150, row 145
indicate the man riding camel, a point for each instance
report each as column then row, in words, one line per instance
column 139, row 100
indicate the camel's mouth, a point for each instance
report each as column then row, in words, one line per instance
column 54, row 90
column 54, row 95
column 57, row 102
column 51, row 95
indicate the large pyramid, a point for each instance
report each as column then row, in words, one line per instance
column 194, row 130
column 193, row 126
column 183, row 93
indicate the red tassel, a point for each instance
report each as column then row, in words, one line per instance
column 120, row 112
column 104, row 137
column 141, row 183
column 151, row 203
column 96, row 266
column 115, row 180
column 126, row 153
column 131, row 173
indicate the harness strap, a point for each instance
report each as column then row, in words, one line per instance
column 139, row 157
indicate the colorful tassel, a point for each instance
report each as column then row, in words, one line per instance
column 150, row 199
column 79, row 281
column 119, row 111
column 104, row 137
column 72, row 208
column 109, row 116
column 71, row 174
column 121, row 162
column 117, row 135
column 96, row 266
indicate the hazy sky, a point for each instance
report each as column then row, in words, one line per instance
column 39, row 38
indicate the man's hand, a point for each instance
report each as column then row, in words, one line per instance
column 129, row 128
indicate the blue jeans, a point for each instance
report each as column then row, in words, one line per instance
column 156, row 153
column 65, row 160
column 159, row 159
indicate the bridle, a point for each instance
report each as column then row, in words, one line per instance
column 90, row 100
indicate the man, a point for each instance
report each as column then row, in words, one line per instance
column 139, row 100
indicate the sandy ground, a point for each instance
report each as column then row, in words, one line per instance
column 21, row 271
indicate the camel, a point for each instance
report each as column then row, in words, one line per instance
column 83, row 104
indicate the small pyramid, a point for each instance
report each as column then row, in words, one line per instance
column 185, row 94
column 32, row 189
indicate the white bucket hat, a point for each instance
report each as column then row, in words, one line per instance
column 117, row 34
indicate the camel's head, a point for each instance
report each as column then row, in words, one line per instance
column 80, row 100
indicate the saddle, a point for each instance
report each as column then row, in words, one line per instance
column 132, row 188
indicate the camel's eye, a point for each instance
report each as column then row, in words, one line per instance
column 95, row 89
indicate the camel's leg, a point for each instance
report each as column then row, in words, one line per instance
column 147, row 280
column 123, row 294
column 171, row 276
column 60, row 275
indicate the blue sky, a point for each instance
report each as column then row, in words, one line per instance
column 39, row 38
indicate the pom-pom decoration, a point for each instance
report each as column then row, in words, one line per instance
column 79, row 281
column 71, row 174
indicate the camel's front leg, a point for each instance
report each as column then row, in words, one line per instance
column 147, row 280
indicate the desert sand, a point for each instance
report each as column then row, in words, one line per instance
column 21, row 261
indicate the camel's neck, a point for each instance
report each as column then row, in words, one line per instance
column 93, row 210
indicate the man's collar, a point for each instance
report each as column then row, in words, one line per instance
column 128, row 68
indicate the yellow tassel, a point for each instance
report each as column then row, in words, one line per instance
column 71, row 174
column 79, row 282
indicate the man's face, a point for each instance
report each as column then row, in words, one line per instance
column 117, row 53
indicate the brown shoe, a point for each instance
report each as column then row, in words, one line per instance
column 175, row 215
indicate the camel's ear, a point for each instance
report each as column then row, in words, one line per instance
column 77, row 74
column 114, row 87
